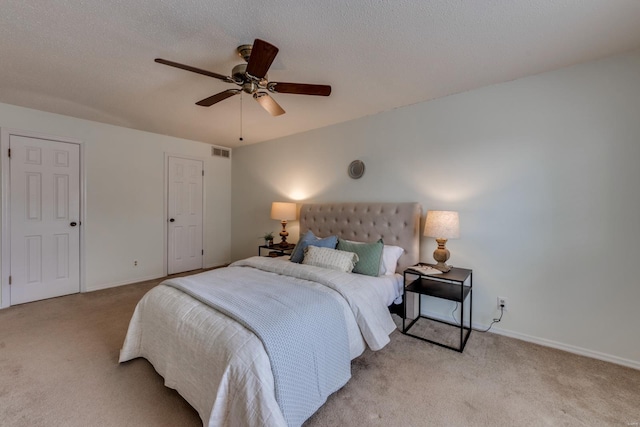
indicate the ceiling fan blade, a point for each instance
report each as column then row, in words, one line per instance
column 300, row 88
column 208, row 102
column 268, row 103
column 194, row 70
column 262, row 56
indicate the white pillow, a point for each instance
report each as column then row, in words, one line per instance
column 390, row 256
column 330, row 258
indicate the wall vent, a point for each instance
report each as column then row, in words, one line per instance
column 220, row 152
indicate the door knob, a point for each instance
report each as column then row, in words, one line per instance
column 73, row 224
column 172, row 220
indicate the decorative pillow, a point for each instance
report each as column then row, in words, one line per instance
column 310, row 239
column 330, row 258
column 390, row 256
column 369, row 254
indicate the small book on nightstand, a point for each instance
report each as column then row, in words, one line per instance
column 424, row 269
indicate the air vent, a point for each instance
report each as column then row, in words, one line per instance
column 220, row 152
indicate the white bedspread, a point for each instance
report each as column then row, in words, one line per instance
column 367, row 299
column 220, row 367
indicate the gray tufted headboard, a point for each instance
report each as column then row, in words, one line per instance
column 396, row 224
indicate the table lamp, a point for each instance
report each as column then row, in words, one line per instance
column 283, row 211
column 442, row 225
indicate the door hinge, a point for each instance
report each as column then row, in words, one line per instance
column 202, row 172
column 203, row 252
column 9, row 152
column 9, row 279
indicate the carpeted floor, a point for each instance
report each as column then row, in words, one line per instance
column 58, row 367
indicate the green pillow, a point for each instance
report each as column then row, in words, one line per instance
column 369, row 255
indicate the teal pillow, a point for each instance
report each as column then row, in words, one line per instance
column 369, row 255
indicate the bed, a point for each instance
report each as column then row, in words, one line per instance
column 226, row 369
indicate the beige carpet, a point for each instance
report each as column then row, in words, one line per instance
column 58, row 367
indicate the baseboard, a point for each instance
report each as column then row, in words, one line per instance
column 569, row 348
column 137, row 280
column 213, row 267
column 548, row 343
column 116, row 284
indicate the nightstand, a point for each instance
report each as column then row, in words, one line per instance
column 450, row 286
column 276, row 250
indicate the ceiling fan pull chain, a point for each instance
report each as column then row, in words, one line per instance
column 241, row 139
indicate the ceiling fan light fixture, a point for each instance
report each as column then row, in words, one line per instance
column 268, row 103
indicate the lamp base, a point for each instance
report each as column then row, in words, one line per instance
column 283, row 235
column 441, row 255
column 442, row 267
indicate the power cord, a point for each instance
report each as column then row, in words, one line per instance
column 453, row 316
column 494, row 320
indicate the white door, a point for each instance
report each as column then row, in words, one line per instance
column 44, row 218
column 185, row 251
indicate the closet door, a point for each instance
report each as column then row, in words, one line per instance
column 185, row 194
column 44, row 218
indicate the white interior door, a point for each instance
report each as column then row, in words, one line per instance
column 185, row 193
column 44, row 218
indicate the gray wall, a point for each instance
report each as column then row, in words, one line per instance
column 543, row 170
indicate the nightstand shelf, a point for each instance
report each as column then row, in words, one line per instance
column 449, row 291
column 276, row 250
column 449, row 286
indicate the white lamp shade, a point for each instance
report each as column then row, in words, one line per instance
column 442, row 224
column 283, row 211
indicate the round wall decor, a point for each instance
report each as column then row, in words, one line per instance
column 356, row 169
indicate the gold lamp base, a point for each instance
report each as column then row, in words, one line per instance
column 441, row 255
column 283, row 235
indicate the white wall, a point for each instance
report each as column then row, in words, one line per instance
column 543, row 170
column 125, row 188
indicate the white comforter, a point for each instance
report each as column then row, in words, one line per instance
column 219, row 366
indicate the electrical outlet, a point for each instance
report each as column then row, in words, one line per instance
column 503, row 303
column 135, row 262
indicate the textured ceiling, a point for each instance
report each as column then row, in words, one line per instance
column 93, row 59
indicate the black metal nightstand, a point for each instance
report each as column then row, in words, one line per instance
column 276, row 250
column 450, row 286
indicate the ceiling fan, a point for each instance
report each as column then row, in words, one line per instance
column 252, row 78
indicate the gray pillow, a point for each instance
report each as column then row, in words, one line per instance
column 332, row 259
